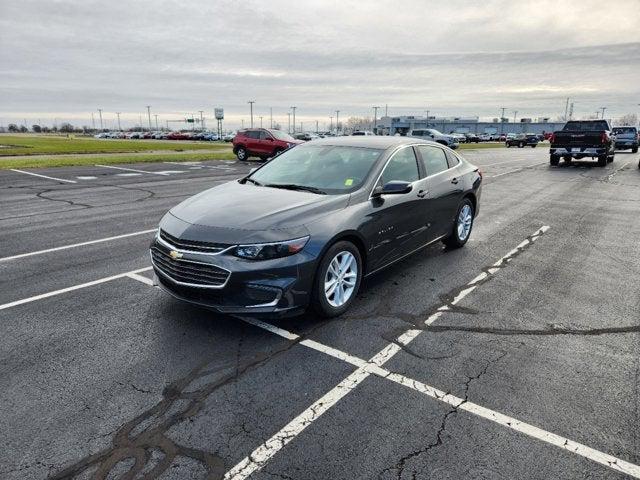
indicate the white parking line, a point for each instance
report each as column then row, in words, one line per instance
column 131, row 169
column 71, row 289
column 43, row 176
column 81, row 244
column 516, row 170
column 457, row 402
column 261, row 455
column 87, row 177
column 128, row 174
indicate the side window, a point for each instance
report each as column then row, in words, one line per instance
column 402, row 166
column 433, row 159
column 263, row 135
column 452, row 159
column 253, row 134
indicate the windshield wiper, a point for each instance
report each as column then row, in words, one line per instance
column 294, row 186
column 255, row 182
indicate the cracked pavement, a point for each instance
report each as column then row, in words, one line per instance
column 119, row 381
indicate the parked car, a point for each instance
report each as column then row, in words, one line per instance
column 522, row 140
column 229, row 137
column 305, row 136
column 178, row 136
column 502, row 137
column 436, row 136
column 485, row 137
column 581, row 139
column 362, row 133
column 459, row 137
column 626, row 138
column 472, row 138
column 305, row 228
column 261, row 142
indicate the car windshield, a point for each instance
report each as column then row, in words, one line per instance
column 328, row 169
column 281, row 135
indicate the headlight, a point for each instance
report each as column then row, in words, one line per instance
column 265, row 251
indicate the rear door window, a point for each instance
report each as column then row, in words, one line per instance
column 433, row 159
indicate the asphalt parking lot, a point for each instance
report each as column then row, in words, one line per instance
column 517, row 356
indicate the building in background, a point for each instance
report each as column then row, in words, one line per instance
column 403, row 124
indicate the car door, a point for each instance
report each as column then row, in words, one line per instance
column 395, row 224
column 445, row 188
column 265, row 143
column 253, row 141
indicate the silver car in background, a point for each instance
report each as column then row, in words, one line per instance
column 435, row 136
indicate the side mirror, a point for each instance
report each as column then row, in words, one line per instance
column 394, row 187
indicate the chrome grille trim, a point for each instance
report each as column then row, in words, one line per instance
column 189, row 273
column 186, row 246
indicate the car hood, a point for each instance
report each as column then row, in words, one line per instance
column 249, row 207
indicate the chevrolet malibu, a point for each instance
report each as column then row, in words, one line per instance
column 304, row 229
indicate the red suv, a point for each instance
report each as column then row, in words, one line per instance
column 261, row 142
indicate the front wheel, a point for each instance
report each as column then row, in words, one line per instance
column 521, row 145
column 241, row 153
column 337, row 280
column 554, row 160
column 462, row 225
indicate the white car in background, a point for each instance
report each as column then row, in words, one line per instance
column 436, row 136
column 228, row 137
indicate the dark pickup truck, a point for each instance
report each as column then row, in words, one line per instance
column 581, row 139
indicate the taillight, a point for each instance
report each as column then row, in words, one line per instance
column 552, row 138
column 604, row 138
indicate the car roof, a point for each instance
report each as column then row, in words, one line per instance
column 370, row 141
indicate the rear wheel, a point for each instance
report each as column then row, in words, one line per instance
column 533, row 146
column 462, row 225
column 634, row 150
column 611, row 157
column 602, row 160
column 521, row 145
column 508, row 145
column 554, row 160
column 337, row 280
column 242, row 154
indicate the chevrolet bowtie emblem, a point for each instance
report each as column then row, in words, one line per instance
column 175, row 255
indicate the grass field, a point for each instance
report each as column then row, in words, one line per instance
column 33, row 151
column 57, row 145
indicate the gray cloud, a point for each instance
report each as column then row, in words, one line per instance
column 65, row 59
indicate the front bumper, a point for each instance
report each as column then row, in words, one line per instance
column 281, row 286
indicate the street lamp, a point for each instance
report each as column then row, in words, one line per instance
column 294, row 118
column 149, row 115
column 375, row 119
column 119, row 127
column 251, row 102
column 100, row 112
column 502, row 120
column 603, row 109
column 260, row 121
column 289, row 122
column 337, row 120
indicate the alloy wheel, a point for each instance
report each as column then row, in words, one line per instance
column 340, row 279
column 465, row 219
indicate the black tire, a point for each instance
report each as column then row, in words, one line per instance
column 602, row 160
column 554, row 160
column 508, row 145
column 454, row 240
column 634, row 150
column 319, row 301
column 277, row 152
column 521, row 145
column 242, row 154
column 568, row 160
column 533, row 146
column 610, row 158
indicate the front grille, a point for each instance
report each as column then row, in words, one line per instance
column 187, row 271
column 192, row 245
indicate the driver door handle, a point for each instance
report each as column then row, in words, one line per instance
column 454, row 180
column 422, row 193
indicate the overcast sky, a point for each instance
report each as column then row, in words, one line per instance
column 66, row 59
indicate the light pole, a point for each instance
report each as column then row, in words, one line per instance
column 100, row 113
column 270, row 117
column 149, row 116
column 201, row 119
column 375, row 120
column 119, row 127
column 331, row 124
column 603, row 109
column 251, row 102
column 289, row 122
column 317, row 130
column 502, row 120
column 93, row 121
column 260, row 121
column 337, row 121
column 514, row 115
column 156, row 115
column 294, row 118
